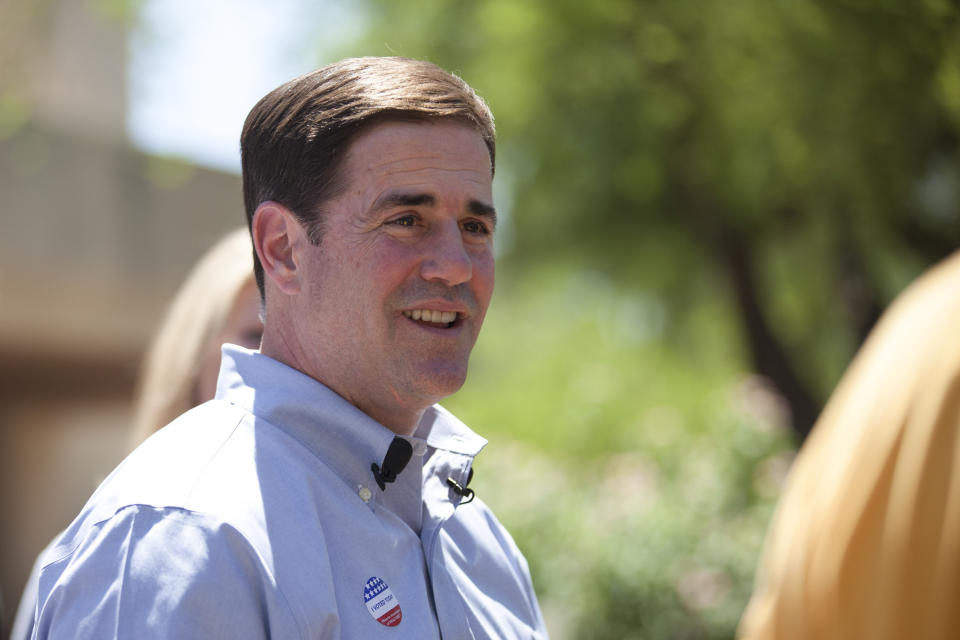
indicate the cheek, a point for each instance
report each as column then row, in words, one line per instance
column 483, row 278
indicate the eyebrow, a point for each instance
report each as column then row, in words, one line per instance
column 391, row 200
column 483, row 210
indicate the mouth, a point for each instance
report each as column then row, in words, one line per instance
column 434, row 318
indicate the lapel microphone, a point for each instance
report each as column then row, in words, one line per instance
column 397, row 457
column 464, row 491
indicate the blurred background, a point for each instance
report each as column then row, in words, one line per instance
column 706, row 207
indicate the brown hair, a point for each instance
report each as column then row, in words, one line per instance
column 294, row 140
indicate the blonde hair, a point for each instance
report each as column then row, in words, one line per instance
column 195, row 316
column 866, row 539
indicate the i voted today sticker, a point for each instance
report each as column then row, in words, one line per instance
column 381, row 603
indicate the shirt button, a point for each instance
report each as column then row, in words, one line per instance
column 365, row 494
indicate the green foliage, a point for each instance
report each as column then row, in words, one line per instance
column 637, row 477
column 587, row 352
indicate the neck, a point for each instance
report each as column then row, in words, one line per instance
column 395, row 415
column 402, row 423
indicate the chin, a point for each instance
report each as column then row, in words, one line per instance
column 439, row 384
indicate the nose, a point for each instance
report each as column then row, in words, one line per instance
column 446, row 258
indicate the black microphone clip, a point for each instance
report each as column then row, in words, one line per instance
column 396, row 459
column 464, row 491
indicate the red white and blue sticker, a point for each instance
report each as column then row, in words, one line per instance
column 381, row 603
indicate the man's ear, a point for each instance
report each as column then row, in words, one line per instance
column 276, row 234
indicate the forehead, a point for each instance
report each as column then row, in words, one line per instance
column 398, row 153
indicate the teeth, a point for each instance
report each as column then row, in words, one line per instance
column 429, row 315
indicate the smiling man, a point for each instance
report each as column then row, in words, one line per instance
column 386, row 307
column 324, row 493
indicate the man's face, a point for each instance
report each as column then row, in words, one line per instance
column 394, row 295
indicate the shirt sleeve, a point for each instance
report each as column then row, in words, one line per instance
column 160, row 573
column 23, row 620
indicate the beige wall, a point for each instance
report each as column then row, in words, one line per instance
column 94, row 239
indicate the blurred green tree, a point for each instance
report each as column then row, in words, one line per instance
column 801, row 157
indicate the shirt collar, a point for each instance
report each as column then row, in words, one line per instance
column 339, row 434
column 442, row 430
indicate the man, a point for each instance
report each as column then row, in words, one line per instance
column 323, row 493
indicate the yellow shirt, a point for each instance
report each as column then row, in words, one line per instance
column 866, row 539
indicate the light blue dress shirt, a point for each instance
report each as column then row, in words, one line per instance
column 257, row 515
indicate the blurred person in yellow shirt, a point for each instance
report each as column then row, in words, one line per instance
column 865, row 542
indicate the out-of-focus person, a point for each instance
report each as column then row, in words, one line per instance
column 865, row 542
column 217, row 303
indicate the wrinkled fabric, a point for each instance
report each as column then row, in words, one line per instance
column 257, row 515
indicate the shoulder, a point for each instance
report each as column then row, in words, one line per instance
column 151, row 571
column 153, row 532
column 190, row 472
column 477, row 522
column 166, row 468
column 482, row 559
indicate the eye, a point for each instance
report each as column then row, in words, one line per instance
column 475, row 226
column 409, row 220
